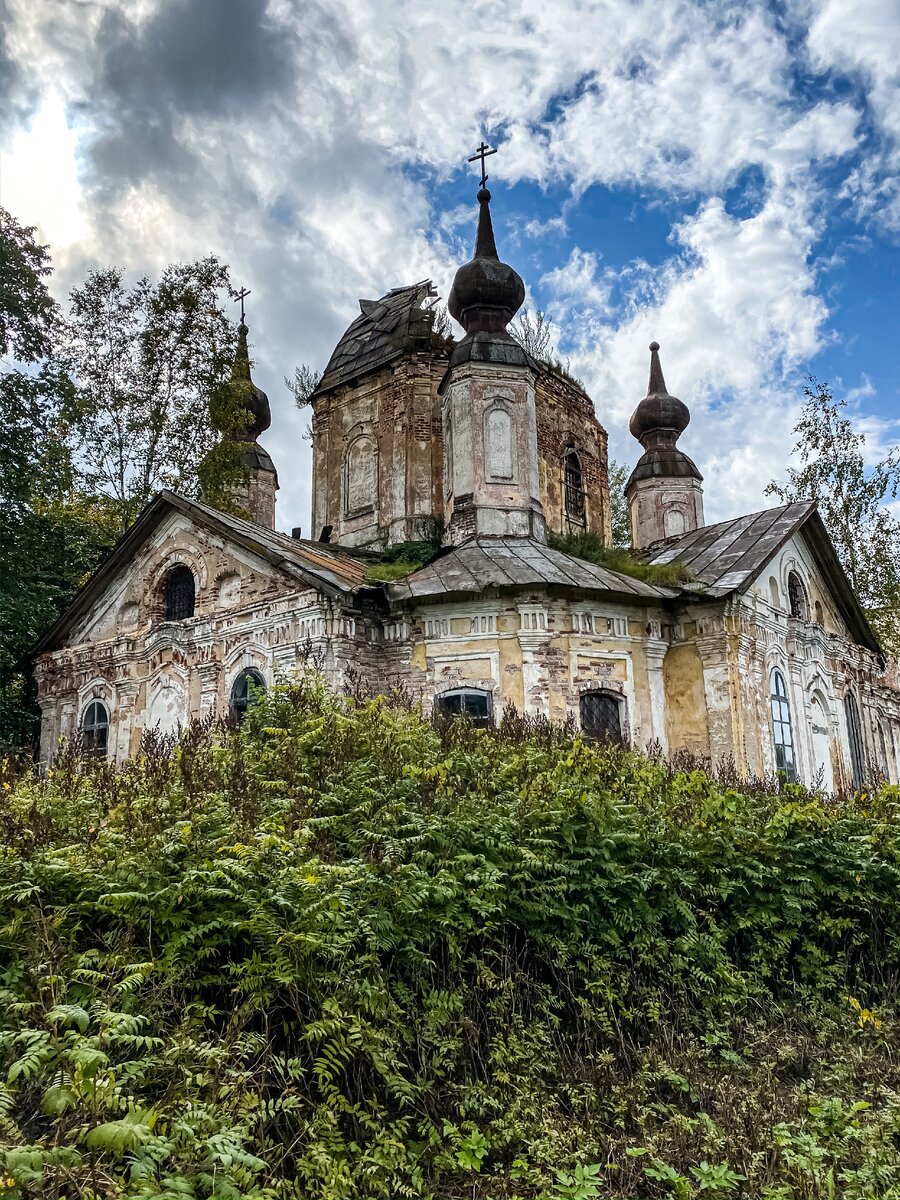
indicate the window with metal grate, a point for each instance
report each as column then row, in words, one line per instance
column 179, row 593
column 248, row 686
column 601, row 715
column 471, row 703
column 95, row 729
column 797, row 602
column 574, row 487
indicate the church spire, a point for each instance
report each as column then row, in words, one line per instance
column 664, row 492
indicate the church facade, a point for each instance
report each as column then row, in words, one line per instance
column 762, row 656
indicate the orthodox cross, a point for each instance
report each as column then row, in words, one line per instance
column 240, row 296
column 482, row 152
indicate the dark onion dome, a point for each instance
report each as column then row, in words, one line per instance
column 486, row 292
column 657, row 423
column 254, row 400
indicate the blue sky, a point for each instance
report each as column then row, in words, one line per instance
column 724, row 178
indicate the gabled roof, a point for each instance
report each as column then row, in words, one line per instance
column 487, row 562
column 727, row 557
column 312, row 564
column 381, row 332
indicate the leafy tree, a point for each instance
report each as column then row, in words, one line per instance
column 304, row 383
column 145, row 361
column 532, row 332
column 853, row 501
column 619, row 512
column 50, row 535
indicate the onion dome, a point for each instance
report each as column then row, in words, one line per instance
column 657, row 423
column 253, row 399
column 486, row 292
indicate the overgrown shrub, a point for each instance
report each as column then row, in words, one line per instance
column 343, row 952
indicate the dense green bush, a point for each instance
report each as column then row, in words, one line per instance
column 342, row 952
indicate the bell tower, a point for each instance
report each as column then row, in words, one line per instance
column 491, row 485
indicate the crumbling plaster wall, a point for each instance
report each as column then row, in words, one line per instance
column 399, row 409
column 152, row 673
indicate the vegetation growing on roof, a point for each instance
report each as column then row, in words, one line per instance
column 616, row 558
column 397, row 561
column 342, row 952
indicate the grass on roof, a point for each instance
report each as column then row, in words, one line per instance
column 589, row 547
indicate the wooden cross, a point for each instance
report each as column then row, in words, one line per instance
column 240, row 296
column 482, row 152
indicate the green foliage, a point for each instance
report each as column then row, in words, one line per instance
column 619, row 512
column 398, row 560
column 343, row 952
column 590, row 547
column 304, row 383
column 145, row 362
column 853, row 500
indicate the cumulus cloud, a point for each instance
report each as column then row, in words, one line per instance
column 311, row 145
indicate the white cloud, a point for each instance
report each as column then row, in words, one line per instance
column 319, row 190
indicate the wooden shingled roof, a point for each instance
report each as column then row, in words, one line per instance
column 383, row 330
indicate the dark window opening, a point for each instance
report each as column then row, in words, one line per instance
column 574, row 487
column 95, row 729
column 248, row 686
column 472, row 704
column 797, row 602
column 601, row 716
column 785, row 763
column 179, row 594
column 854, row 734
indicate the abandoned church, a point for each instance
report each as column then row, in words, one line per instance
column 761, row 654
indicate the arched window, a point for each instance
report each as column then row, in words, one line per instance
column 472, row 703
column 797, row 602
column 820, row 614
column 179, row 594
column 574, row 486
column 498, row 443
column 773, row 592
column 785, row 763
column 248, row 686
column 854, row 735
column 361, row 476
column 601, row 715
column 95, row 728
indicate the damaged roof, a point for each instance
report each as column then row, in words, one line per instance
column 312, row 564
column 383, row 330
column 727, row 557
column 499, row 562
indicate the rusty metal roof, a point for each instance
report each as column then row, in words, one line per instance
column 727, row 557
column 383, row 330
column 496, row 562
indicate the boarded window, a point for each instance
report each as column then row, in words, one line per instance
column 498, row 443
column 95, row 729
column 471, row 703
column 574, row 487
column 246, row 688
column 601, row 715
column 674, row 522
column 782, row 735
column 854, row 735
column 179, row 594
column 361, row 488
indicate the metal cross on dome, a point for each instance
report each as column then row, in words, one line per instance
column 240, row 296
column 482, row 152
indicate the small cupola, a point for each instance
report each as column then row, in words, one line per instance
column 486, row 292
column 663, row 492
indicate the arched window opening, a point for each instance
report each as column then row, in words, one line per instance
column 248, row 686
column 601, row 716
column 854, row 735
column 498, row 443
column 785, row 762
column 95, row 729
column 820, row 613
column 797, row 602
column 773, row 592
column 471, row 703
column 179, row 594
column 574, row 487
column 361, row 476
column 674, row 523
